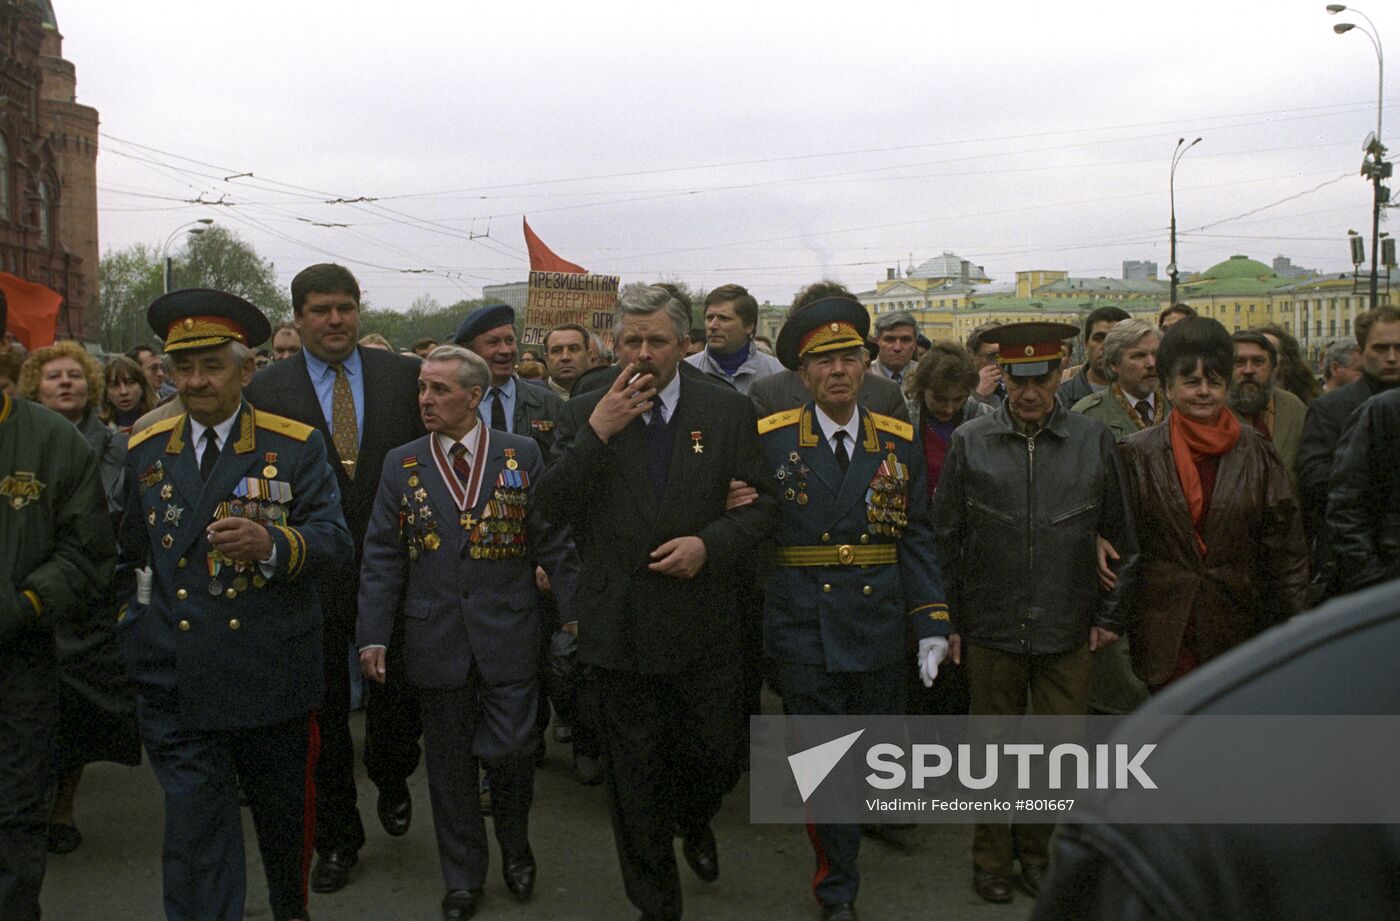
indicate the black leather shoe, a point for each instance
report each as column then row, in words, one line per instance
column 702, row 854
column 520, row 876
column 395, row 810
column 1033, row 876
column 587, row 770
column 841, row 911
column 460, row 904
column 332, row 871
column 991, row 887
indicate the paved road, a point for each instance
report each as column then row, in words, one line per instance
column 922, row 873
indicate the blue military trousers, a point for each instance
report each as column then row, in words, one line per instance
column 205, row 878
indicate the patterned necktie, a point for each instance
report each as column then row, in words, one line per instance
column 210, row 456
column 1144, row 409
column 459, row 463
column 498, row 411
column 344, row 425
column 843, row 457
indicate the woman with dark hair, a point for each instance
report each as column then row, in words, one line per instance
column 1220, row 534
column 1294, row 375
column 129, row 394
column 96, row 706
column 941, row 386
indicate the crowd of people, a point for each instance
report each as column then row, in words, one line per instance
column 629, row 537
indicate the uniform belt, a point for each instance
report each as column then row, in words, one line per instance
column 843, row 555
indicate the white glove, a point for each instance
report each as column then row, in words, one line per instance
column 143, row 585
column 932, row 651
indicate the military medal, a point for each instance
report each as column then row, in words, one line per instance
column 464, row 495
column 167, row 491
column 432, row 541
column 269, row 471
column 214, row 562
column 240, row 584
column 511, row 463
column 420, row 495
column 172, row 515
column 259, row 581
column 151, row 516
column 413, row 480
column 696, row 446
column 167, row 542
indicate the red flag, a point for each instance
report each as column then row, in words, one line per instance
column 33, row 311
column 543, row 259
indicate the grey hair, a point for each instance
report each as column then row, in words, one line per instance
column 888, row 321
column 645, row 300
column 473, row 370
column 1343, row 352
column 240, row 353
column 1122, row 335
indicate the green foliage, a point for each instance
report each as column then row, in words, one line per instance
column 424, row 319
column 130, row 278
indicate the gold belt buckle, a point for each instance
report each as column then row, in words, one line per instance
column 845, row 554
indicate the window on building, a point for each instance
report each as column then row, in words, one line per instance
column 45, row 226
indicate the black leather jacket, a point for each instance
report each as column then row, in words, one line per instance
column 1363, row 499
column 1015, row 519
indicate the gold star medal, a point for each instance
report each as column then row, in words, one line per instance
column 697, row 447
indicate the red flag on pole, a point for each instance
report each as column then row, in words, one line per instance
column 33, row 311
column 543, row 259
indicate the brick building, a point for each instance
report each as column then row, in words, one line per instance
column 48, row 164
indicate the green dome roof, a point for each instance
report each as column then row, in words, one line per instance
column 1238, row 267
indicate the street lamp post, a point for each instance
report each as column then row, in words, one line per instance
column 1177, row 154
column 194, row 228
column 1375, row 166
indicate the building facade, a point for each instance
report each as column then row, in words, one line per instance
column 48, row 165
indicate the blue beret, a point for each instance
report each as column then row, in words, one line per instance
column 483, row 319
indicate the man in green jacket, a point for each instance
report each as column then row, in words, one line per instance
column 56, row 551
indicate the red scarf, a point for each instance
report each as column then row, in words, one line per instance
column 1191, row 441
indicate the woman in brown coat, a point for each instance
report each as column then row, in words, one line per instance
column 1222, row 549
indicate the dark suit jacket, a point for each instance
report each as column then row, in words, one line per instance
column 536, row 413
column 459, row 609
column 629, row 617
column 784, row 390
column 391, row 419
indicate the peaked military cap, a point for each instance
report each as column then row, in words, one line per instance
column 827, row 325
column 483, row 319
column 201, row 318
column 1030, row 349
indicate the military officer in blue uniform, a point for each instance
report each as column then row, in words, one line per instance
column 230, row 513
column 855, row 566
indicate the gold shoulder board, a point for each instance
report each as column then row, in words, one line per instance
column 893, row 426
column 282, row 426
column 155, row 429
column 779, row 420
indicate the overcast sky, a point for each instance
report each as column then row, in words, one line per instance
column 768, row 144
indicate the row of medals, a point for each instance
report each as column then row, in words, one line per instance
column 796, row 491
column 499, row 534
column 257, row 500
column 887, row 499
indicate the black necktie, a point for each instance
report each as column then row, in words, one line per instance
column 498, row 411
column 211, row 454
column 658, row 448
column 843, row 457
column 1144, row 409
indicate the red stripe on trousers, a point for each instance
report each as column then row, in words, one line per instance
column 308, row 809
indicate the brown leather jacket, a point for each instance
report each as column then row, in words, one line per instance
column 1254, row 574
